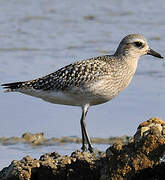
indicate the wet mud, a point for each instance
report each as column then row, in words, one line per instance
column 39, row 139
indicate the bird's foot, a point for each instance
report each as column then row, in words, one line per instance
column 84, row 148
column 91, row 149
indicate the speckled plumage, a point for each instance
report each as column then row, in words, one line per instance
column 89, row 82
column 97, row 79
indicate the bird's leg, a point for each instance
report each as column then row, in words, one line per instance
column 85, row 135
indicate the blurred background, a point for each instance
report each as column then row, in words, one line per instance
column 38, row 37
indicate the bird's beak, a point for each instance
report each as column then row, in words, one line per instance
column 154, row 53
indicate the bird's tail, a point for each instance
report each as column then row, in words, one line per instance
column 11, row 87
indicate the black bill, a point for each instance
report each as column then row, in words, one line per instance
column 154, row 53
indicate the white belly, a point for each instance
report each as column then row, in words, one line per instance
column 76, row 97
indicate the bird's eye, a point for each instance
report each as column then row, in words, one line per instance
column 138, row 44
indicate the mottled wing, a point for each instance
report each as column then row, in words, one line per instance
column 73, row 75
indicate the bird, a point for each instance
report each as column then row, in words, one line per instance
column 89, row 82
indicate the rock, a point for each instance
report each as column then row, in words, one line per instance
column 80, row 165
column 34, row 139
column 154, row 124
column 138, row 159
column 131, row 160
column 20, row 170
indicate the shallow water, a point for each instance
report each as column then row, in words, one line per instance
column 38, row 37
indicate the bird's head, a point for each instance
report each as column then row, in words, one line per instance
column 135, row 45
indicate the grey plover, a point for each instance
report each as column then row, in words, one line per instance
column 89, row 82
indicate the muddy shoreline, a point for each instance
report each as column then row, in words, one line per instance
column 39, row 139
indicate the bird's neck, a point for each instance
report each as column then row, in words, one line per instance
column 132, row 63
column 130, row 60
